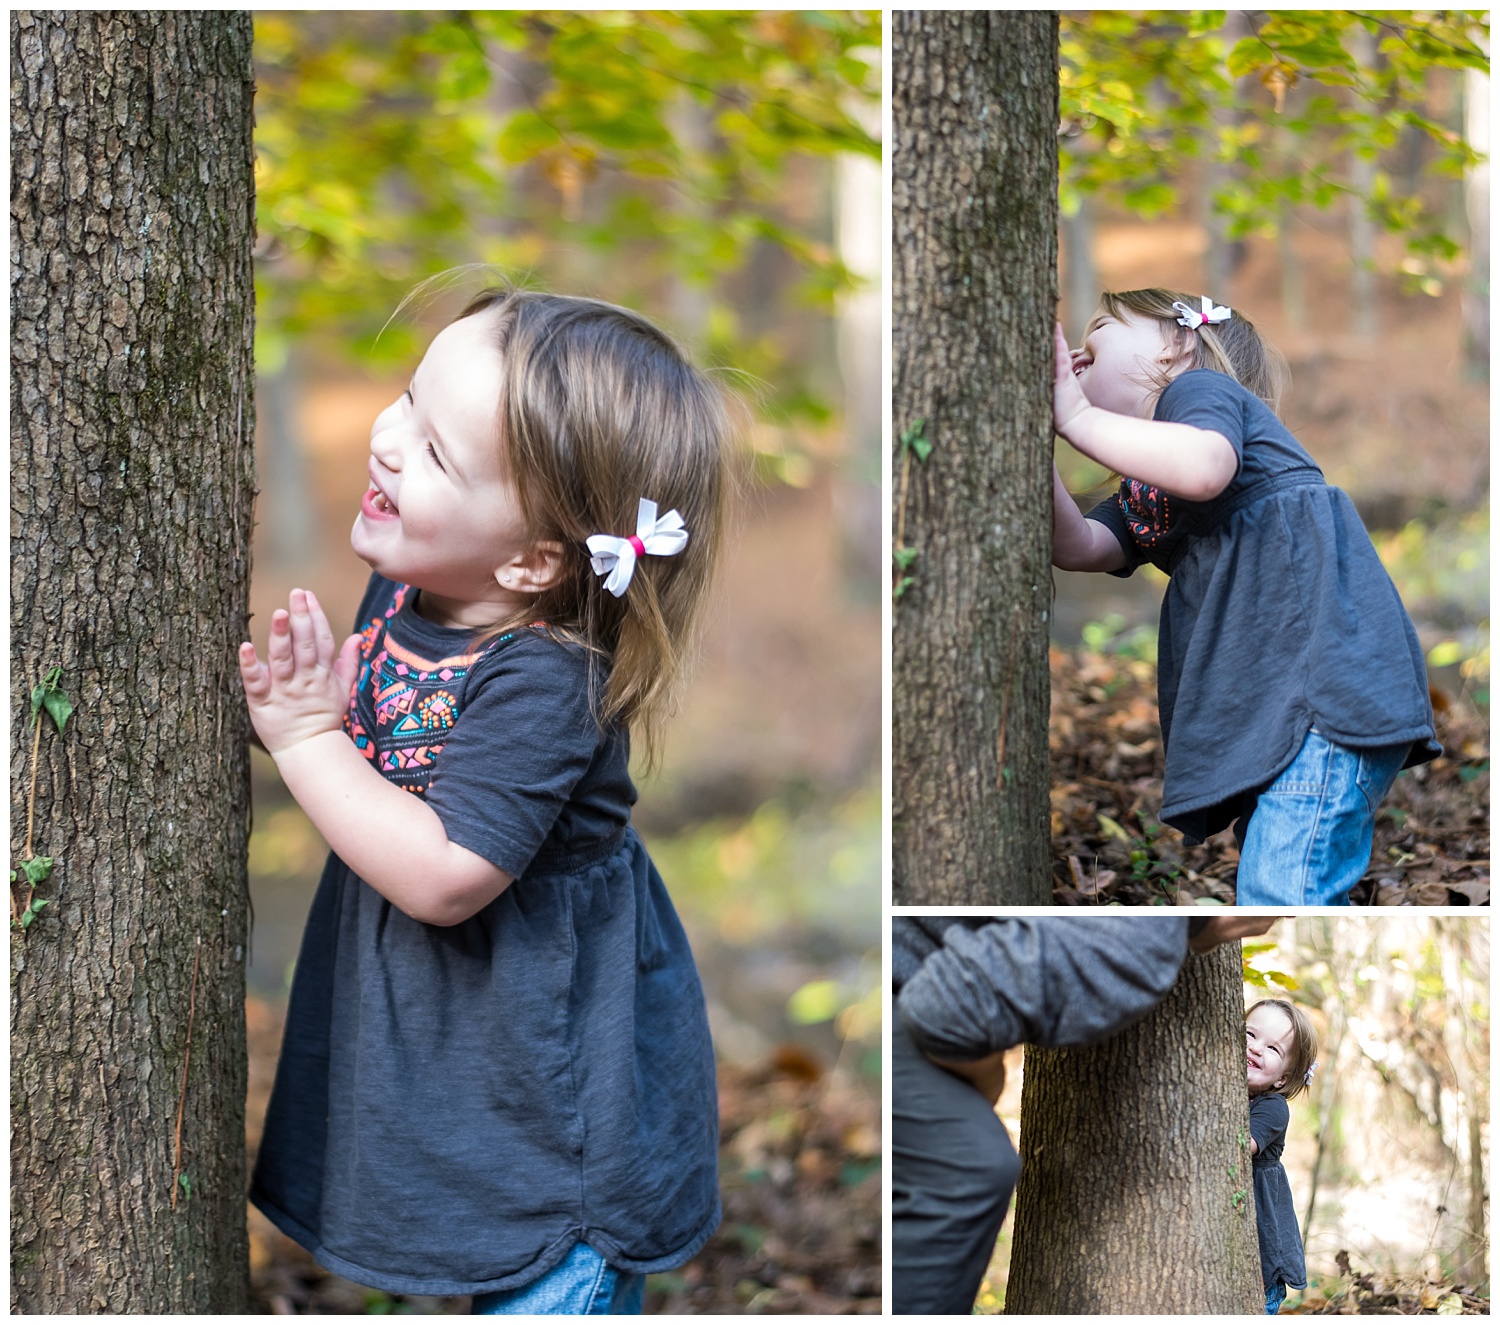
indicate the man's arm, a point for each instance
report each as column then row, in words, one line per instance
column 1051, row 981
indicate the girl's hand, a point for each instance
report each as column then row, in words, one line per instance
column 1068, row 400
column 303, row 690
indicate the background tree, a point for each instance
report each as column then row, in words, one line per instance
column 974, row 225
column 131, row 425
column 1135, row 1192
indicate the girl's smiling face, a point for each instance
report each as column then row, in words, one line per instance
column 1122, row 359
column 1268, row 1041
column 440, row 513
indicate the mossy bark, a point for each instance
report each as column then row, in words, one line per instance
column 1135, row 1193
column 974, row 248
column 132, row 306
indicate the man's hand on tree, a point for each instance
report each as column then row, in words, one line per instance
column 1230, row 929
column 986, row 1075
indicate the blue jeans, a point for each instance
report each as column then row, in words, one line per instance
column 582, row 1285
column 1308, row 838
column 1275, row 1296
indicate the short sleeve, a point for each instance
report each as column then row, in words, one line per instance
column 1269, row 1116
column 1111, row 515
column 523, row 741
column 1202, row 398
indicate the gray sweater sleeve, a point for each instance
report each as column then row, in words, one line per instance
column 1049, row 981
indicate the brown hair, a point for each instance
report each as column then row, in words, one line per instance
column 598, row 409
column 1233, row 347
column 1304, row 1051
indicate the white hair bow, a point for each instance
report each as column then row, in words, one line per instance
column 1191, row 317
column 616, row 557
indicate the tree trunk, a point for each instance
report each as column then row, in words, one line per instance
column 974, row 241
column 1475, row 298
column 1135, row 1192
column 1364, row 309
column 132, row 470
column 1080, row 275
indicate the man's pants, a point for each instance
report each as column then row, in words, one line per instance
column 953, row 1169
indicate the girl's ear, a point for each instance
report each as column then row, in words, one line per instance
column 1177, row 353
column 535, row 570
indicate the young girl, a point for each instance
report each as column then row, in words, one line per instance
column 496, row 1077
column 1292, row 687
column 1280, row 1052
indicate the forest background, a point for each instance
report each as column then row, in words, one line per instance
column 720, row 172
column 1387, row 1152
column 1326, row 175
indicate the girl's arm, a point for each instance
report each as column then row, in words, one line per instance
column 1079, row 543
column 1195, row 464
column 395, row 842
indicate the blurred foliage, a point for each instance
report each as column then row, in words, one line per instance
column 1442, row 569
column 618, row 151
column 780, row 870
column 1143, row 92
column 1260, row 971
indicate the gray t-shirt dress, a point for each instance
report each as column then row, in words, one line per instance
column 1279, row 615
column 455, row 1107
column 1281, row 1260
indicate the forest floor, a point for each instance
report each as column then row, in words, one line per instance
column 1432, row 837
column 1377, row 1294
column 799, row 1167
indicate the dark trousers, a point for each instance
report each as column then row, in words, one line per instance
column 953, row 1169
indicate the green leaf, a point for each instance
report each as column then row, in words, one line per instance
column 30, row 913
column 48, row 695
column 904, row 556
column 37, row 869
column 1111, row 828
column 913, row 440
column 186, row 1183
column 816, row 1001
column 1284, row 980
column 59, row 707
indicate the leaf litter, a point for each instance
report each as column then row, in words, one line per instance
column 1432, row 841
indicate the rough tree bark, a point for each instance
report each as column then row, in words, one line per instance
column 974, row 242
column 1135, row 1192
column 132, row 214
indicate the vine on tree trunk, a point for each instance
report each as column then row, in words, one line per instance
column 48, row 696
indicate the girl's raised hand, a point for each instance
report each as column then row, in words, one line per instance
column 1068, row 400
column 303, row 688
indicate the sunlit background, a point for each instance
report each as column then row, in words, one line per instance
column 720, row 173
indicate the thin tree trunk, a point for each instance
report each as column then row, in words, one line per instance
column 131, row 450
column 1475, row 297
column 1224, row 256
column 1080, row 273
column 1135, row 1192
column 1364, row 309
column 974, row 238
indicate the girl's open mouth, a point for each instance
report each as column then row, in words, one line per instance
column 377, row 505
